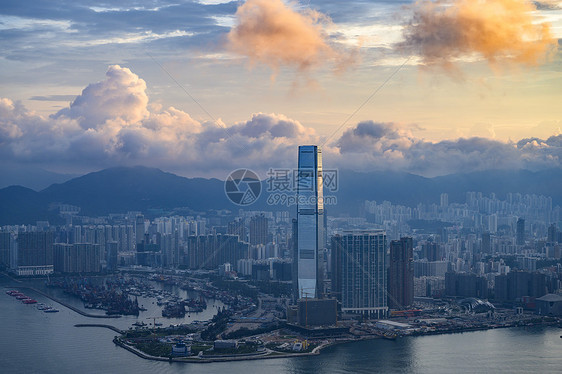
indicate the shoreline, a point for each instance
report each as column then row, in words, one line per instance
column 316, row 351
column 206, row 360
column 66, row 305
column 268, row 354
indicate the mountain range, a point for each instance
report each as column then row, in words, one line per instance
column 122, row 189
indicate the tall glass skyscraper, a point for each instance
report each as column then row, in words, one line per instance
column 310, row 223
column 363, row 273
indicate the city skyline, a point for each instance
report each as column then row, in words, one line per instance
column 231, row 181
column 459, row 107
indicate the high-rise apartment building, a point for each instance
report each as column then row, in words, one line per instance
column 401, row 274
column 35, row 253
column 5, row 244
column 77, row 258
column 237, row 227
column 259, row 230
column 520, row 231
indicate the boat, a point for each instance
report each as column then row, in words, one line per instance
column 51, row 310
column 139, row 324
column 29, row 301
column 21, row 297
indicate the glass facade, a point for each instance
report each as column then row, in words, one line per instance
column 363, row 273
column 310, row 223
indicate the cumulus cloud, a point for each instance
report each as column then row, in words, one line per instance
column 121, row 96
column 371, row 145
column 112, row 123
column 270, row 32
column 88, row 136
column 499, row 31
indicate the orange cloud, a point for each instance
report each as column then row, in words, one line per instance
column 271, row 33
column 498, row 30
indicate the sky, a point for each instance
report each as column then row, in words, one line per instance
column 201, row 88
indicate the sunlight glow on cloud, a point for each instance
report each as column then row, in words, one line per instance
column 272, row 33
column 500, row 31
column 112, row 123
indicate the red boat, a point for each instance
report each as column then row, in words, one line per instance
column 29, row 301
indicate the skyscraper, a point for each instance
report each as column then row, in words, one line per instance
column 486, row 242
column 310, row 223
column 520, row 231
column 259, row 230
column 5, row 243
column 552, row 236
column 35, row 253
column 444, row 200
column 336, row 265
column 237, row 227
column 401, row 274
column 363, row 273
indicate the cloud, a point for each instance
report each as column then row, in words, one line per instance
column 89, row 135
column 549, row 4
column 53, row 98
column 371, row 145
column 500, row 31
column 121, row 96
column 272, row 33
column 111, row 123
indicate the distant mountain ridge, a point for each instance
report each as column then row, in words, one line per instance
column 122, row 189
column 31, row 177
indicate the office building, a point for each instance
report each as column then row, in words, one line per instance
column 401, row 274
column 363, row 273
column 310, row 223
column 336, row 266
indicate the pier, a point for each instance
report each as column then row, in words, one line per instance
column 113, row 328
column 81, row 312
